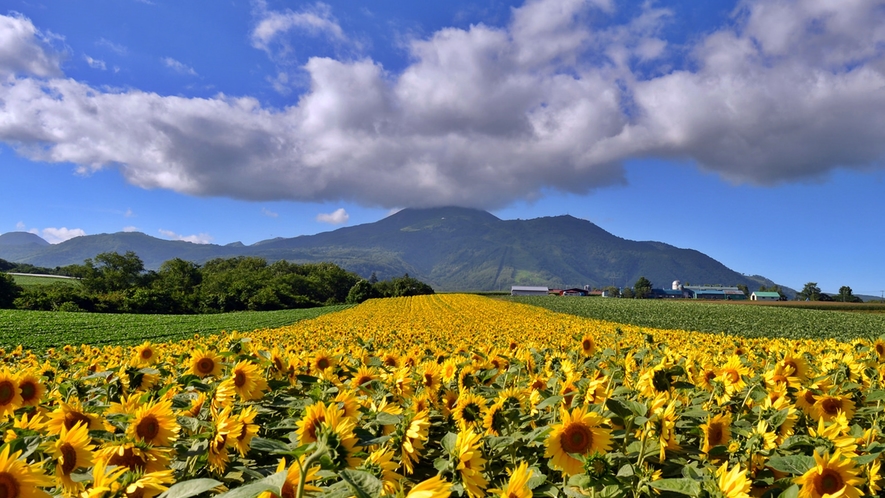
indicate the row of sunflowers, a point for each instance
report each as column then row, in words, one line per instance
column 445, row 395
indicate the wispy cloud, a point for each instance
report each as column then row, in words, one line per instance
column 316, row 20
column 202, row 238
column 178, row 66
column 130, row 229
column 114, row 47
column 269, row 213
column 95, row 63
column 337, row 217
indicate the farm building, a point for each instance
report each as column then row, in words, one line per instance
column 526, row 290
column 723, row 292
column 765, row 296
column 570, row 292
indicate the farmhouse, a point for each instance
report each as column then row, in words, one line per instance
column 765, row 296
column 525, row 290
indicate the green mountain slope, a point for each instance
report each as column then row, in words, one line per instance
column 449, row 248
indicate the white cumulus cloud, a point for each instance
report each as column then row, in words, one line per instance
column 486, row 115
column 24, row 49
column 56, row 235
column 337, row 217
column 202, row 238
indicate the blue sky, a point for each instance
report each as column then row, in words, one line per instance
column 753, row 131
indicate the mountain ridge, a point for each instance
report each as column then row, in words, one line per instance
column 451, row 248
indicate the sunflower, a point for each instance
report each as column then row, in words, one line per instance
column 67, row 415
column 311, row 419
column 448, row 401
column 435, row 487
column 831, row 476
column 717, row 431
column 879, row 348
column 430, row 376
column 732, row 374
column 71, row 452
column 470, row 463
column 248, row 381
column 30, row 388
column 390, row 359
column 664, row 421
column 794, row 366
column 469, row 410
column 449, row 371
column 518, row 484
column 226, row 428
column 827, row 407
column 579, row 432
column 412, row 437
column 155, row 424
column 733, row 483
column 321, row 362
column 363, row 376
column 20, row 480
column 381, row 465
column 494, row 420
column 144, row 355
column 588, row 345
column 10, row 393
column 337, row 430
column 205, row 364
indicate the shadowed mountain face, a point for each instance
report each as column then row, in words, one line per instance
column 449, row 248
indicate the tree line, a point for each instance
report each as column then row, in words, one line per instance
column 119, row 283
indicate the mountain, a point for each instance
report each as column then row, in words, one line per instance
column 450, row 248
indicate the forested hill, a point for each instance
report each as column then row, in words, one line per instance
column 448, row 248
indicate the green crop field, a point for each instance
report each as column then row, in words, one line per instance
column 35, row 280
column 746, row 319
column 44, row 329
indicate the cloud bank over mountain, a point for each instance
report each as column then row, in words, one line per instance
column 486, row 115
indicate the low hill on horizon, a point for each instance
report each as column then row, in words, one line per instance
column 450, row 248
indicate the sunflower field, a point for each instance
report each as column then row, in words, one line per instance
column 445, row 395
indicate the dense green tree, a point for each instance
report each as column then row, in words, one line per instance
column 361, row 291
column 612, row 291
column 177, row 285
column 111, row 272
column 642, row 288
column 9, row 290
column 846, row 295
column 811, row 292
column 744, row 289
column 627, row 293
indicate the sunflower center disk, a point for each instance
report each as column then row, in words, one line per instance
column 239, row 379
column 7, row 392
column 8, row 486
column 28, row 391
column 577, row 439
column 72, row 418
column 148, row 428
column 829, row 482
column 69, row 459
column 206, row 366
